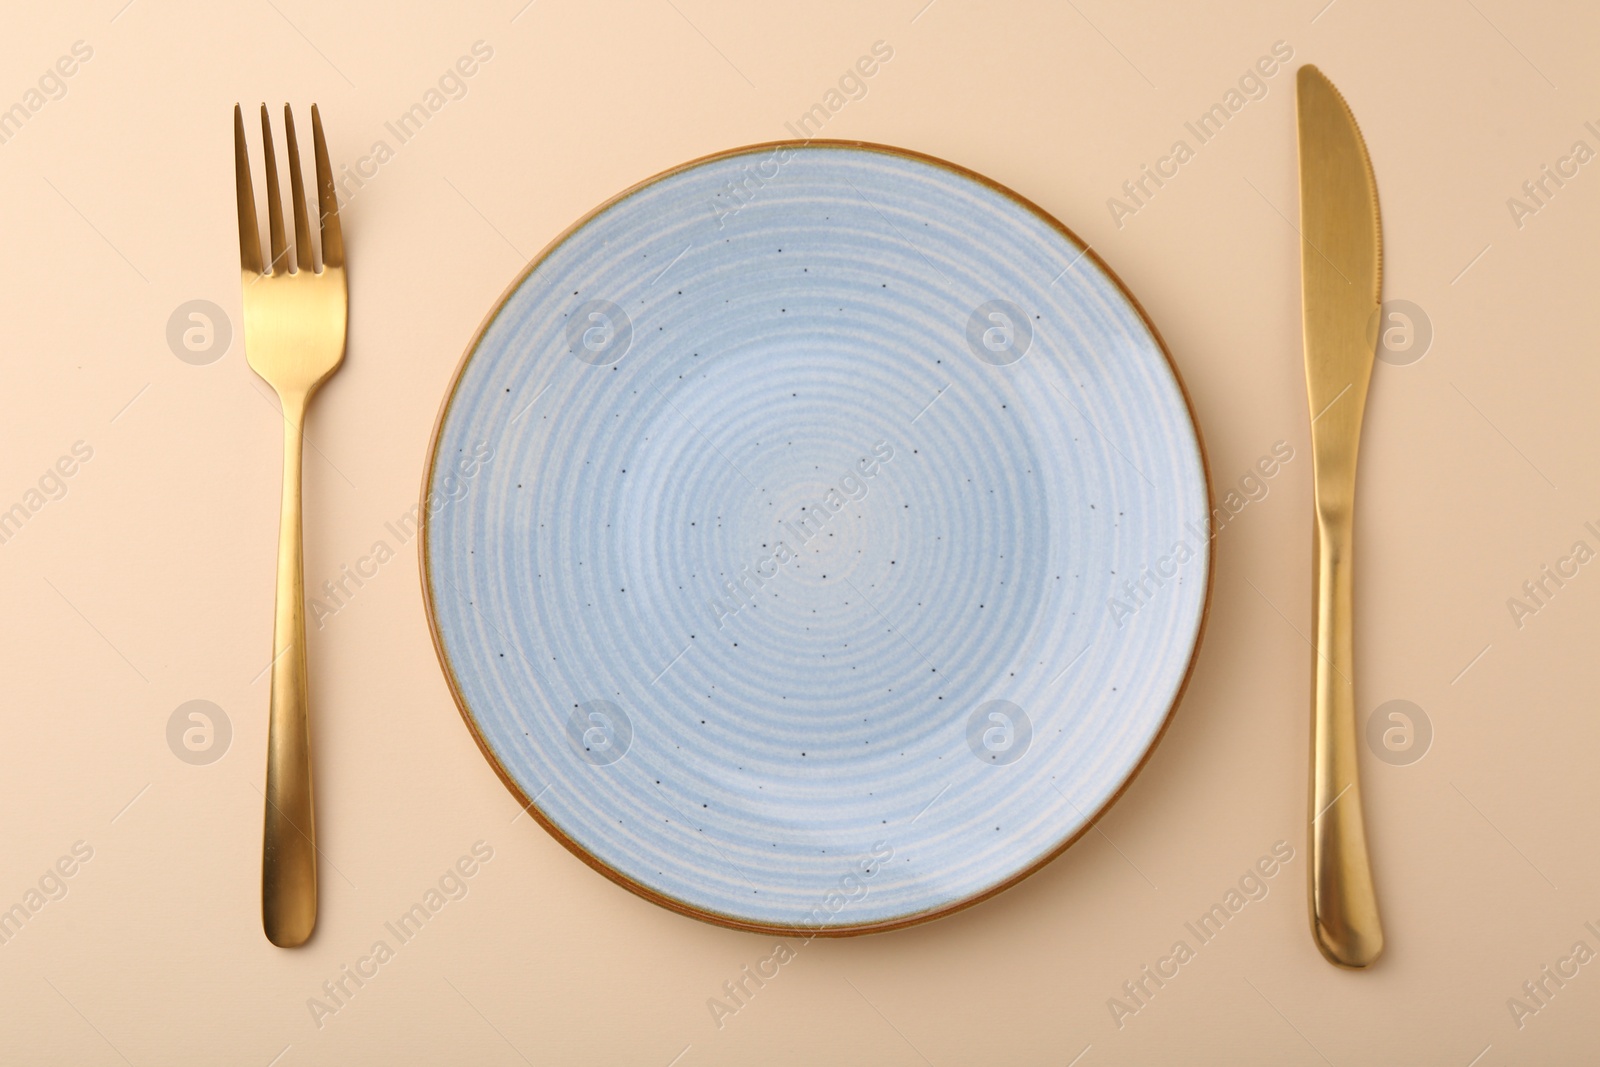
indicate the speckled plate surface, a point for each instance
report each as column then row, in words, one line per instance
column 816, row 538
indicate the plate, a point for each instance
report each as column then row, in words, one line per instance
column 816, row 538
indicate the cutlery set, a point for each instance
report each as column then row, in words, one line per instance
column 746, row 828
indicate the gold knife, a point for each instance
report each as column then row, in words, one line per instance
column 1341, row 275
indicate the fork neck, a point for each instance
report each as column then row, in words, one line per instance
column 294, row 417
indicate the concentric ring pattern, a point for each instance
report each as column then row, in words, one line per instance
column 817, row 535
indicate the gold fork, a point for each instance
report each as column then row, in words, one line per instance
column 294, row 332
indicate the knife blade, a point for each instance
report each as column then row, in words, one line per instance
column 1341, row 276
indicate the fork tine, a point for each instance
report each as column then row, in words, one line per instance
column 249, row 235
column 274, row 197
column 327, row 197
column 302, row 227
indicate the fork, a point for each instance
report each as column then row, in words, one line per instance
column 294, row 337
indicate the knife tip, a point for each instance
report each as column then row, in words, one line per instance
column 1309, row 81
column 1308, row 74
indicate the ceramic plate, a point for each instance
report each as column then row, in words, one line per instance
column 816, row 538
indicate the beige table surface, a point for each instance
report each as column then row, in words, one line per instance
column 145, row 579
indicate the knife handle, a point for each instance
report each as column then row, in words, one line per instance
column 1344, row 907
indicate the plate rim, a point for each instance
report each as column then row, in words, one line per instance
column 529, row 805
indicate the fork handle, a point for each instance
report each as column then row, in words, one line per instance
column 1344, row 906
column 289, row 849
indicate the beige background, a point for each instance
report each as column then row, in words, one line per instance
column 150, row 583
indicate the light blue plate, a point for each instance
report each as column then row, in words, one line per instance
column 817, row 538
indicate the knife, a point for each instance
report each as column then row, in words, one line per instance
column 1341, row 275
